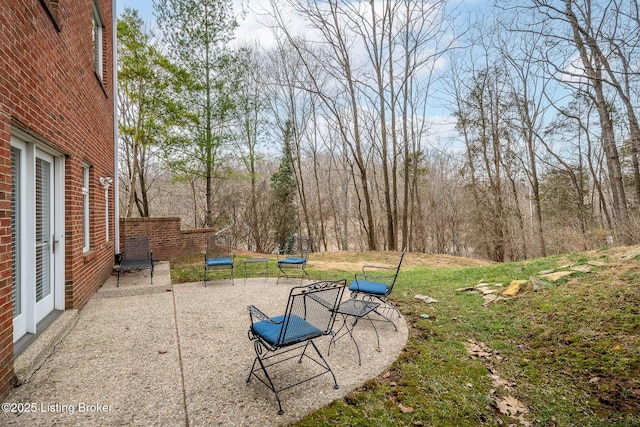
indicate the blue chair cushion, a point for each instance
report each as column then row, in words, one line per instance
column 369, row 287
column 293, row 260
column 217, row 262
column 297, row 329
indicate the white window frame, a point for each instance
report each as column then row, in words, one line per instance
column 86, row 232
column 97, row 28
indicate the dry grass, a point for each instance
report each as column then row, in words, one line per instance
column 350, row 261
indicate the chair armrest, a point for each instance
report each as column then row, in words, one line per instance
column 366, row 276
column 254, row 312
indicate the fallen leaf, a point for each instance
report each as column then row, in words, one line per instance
column 405, row 409
column 386, row 374
column 497, row 381
column 162, row 351
column 425, row 298
column 510, row 406
column 478, row 350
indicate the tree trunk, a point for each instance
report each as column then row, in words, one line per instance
column 593, row 71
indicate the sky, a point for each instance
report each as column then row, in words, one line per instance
column 249, row 28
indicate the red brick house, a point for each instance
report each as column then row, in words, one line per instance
column 57, row 219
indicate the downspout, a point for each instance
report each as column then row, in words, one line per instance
column 116, row 180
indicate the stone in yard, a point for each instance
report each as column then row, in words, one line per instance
column 538, row 284
column 489, row 291
column 513, row 288
column 543, row 272
column 631, row 254
column 582, row 268
column 554, row 277
column 426, row 298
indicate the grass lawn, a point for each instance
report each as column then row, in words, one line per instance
column 565, row 355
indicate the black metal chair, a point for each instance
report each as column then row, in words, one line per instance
column 295, row 257
column 376, row 283
column 137, row 256
column 217, row 255
column 310, row 313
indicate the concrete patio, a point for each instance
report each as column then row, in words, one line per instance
column 165, row 354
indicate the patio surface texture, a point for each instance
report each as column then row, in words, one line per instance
column 166, row 355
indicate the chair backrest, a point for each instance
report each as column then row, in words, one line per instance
column 316, row 304
column 137, row 248
column 300, row 246
column 218, row 246
column 397, row 270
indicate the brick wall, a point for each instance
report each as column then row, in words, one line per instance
column 168, row 241
column 50, row 91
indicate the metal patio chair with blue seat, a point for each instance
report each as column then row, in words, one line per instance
column 218, row 255
column 310, row 314
column 137, row 256
column 296, row 256
column 376, row 283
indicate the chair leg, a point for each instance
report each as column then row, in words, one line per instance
column 384, row 305
column 390, row 306
column 303, row 271
column 270, row 384
column 205, row 276
column 386, row 319
column 326, row 364
column 118, row 281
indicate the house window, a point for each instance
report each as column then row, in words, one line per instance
column 85, row 209
column 97, row 27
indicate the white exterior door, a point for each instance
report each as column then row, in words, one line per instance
column 37, row 225
column 45, row 236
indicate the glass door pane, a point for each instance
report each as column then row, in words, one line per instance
column 43, row 228
column 16, row 185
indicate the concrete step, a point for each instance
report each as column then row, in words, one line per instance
column 43, row 345
column 138, row 282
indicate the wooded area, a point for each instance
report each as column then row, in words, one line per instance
column 504, row 132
